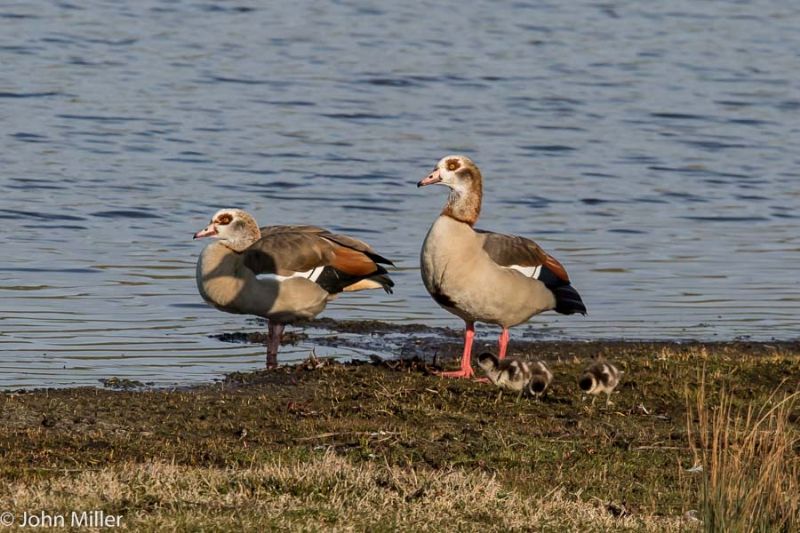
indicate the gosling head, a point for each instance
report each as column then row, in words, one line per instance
column 507, row 373
column 541, row 377
column 588, row 383
column 489, row 364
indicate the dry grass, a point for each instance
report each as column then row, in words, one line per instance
column 390, row 447
column 325, row 491
column 751, row 465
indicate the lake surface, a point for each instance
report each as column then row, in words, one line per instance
column 654, row 148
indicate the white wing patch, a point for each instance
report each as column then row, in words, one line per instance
column 528, row 271
column 311, row 275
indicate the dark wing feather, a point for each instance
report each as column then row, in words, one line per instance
column 343, row 240
column 507, row 250
column 271, row 230
column 284, row 250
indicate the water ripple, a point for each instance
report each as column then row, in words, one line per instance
column 645, row 149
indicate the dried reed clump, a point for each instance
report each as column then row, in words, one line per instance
column 750, row 457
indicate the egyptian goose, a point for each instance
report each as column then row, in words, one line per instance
column 483, row 276
column 533, row 378
column 598, row 377
column 281, row 273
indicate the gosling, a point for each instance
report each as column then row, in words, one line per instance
column 541, row 377
column 533, row 378
column 598, row 377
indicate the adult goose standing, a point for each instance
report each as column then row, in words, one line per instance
column 281, row 273
column 483, row 276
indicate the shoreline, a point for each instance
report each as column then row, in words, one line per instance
column 296, row 447
column 438, row 347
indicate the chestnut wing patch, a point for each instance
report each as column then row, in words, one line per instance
column 357, row 245
column 352, row 262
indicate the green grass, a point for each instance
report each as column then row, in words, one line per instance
column 354, row 447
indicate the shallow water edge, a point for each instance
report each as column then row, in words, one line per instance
column 426, row 348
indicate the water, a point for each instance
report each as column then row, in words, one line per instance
column 651, row 147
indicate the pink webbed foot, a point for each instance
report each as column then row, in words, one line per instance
column 463, row 373
column 466, row 366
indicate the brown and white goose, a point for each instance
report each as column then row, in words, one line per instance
column 482, row 276
column 281, row 273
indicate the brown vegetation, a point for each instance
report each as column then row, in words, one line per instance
column 385, row 446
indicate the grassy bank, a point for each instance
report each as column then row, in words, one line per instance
column 390, row 446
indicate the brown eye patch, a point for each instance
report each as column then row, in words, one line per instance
column 453, row 164
column 465, row 173
column 224, row 219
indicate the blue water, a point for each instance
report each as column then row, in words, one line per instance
column 652, row 147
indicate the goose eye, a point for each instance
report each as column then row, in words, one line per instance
column 452, row 165
column 224, row 219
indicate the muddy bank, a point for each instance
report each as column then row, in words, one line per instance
column 634, row 453
column 437, row 345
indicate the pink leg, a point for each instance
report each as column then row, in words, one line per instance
column 466, row 357
column 503, row 342
column 273, row 343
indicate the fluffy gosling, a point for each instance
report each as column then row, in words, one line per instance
column 598, row 377
column 541, row 377
column 533, row 378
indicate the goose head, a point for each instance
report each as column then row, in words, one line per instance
column 235, row 228
column 463, row 178
column 455, row 171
